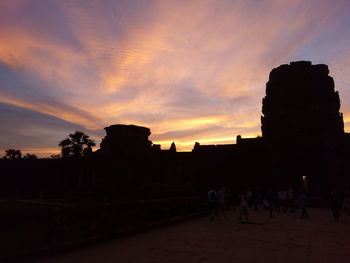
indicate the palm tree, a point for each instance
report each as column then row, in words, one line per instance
column 76, row 144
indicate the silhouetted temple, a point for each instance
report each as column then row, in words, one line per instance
column 303, row 145
column 302, row 126
column 301, row 106
column 126, row 140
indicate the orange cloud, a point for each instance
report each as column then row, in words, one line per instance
column 187, row 70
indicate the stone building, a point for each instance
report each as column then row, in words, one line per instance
column 303, row 144
column 126, row 140
column 302, row 127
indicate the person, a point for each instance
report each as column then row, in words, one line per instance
column 290, row 195
column 229, row 199
column 346, row 204
column 221, row 202
column 271, row 199
column 243, row 203
column 266, row 204
column 213, row 204
column 336, row 201
column 302, row 204
column 55, row 227
column 249, row 196
column 256, row 199
column 279, row 200
column 284, row 200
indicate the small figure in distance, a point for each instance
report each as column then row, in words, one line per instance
column 266, row 204
column 221, row 202
column 271, row 201
column 346, row 204
column 257, row 199
column 213, row 203
column 302, row 204
column 290, row 194
column 284, row 202
column 55, row 227
column 279, row 200
column 335, row 202
column 229, row 199
column 249, row 196
column 243, row 203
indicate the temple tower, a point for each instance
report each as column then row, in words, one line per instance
column 301, row 122
column 126, row 140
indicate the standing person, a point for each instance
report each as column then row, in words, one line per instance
column 243, row 203
column 221, row 202
column 249, row 196
column 302, row 204
column 228, row 199
column 271, row 199
column 290, row 194
column 336, row 201
column 284, row 203
column 55, row 227
column 255, row 199
column 279, row 200
column 213, row 203
column 346, row 204
column 258, row 199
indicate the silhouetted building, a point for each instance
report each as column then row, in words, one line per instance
column 126, row 140
column 301, row 107
column 173, row 147
column 303, row 144
column 302, row 126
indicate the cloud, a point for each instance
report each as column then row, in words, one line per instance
column 189, row 70
column 35, row 132
column 26, row 91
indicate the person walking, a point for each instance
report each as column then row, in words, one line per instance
column 55, row 227
column 346, row 204
column 243, row 203
column 279, row 200
column 229, row 199
column 271, row 199
column 213, row 203
column 221, row 203
column 290, row 194
column 302, row 204
column 336, row 202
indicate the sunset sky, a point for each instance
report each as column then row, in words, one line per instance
column 190, row 70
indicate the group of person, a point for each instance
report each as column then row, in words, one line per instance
column 285, row 200
column 219, row 201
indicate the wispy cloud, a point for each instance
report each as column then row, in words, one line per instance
column 190, row 70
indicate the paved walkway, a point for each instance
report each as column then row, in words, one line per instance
column 283, row 239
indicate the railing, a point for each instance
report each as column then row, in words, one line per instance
column 56, row 226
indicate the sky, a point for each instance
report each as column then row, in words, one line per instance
column 190, row 70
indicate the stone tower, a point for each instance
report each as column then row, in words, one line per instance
column 301, row 123
column 301, row 106
column 126, row 140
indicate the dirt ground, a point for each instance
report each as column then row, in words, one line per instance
column 283, row 239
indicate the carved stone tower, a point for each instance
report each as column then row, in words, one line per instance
column 301, row 105
column 301, row 122
column 126, row 140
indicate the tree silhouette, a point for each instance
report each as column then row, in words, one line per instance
column 55, row 156
column 12, row 154
column 30, row 156
column 76, row 144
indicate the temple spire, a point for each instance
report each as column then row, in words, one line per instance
column 173, row 147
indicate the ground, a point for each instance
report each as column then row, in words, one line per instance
column 283, row 239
